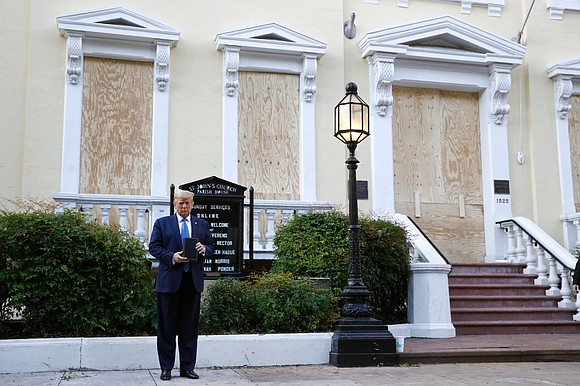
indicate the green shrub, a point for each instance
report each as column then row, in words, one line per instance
column 316, row 245
column 267, row 304
column 226, row 308
column 385, row 268
column 71, row 277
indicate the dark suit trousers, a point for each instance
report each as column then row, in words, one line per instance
column 178, row 314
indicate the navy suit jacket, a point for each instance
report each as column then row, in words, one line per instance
column 166, row 240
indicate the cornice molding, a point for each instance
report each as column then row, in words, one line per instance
column 119, row 23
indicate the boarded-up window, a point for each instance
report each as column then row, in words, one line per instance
column 574, row 130
column 116, row 127
column 437, row 164
column 268, row 135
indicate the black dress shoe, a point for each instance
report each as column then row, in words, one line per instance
column 188, row 374
column 165, row 375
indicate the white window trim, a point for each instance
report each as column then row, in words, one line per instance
column 142, row 39
column 271, row 48
column 566, row 77
column 393, row 58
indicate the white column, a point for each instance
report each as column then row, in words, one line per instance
column 73, row 98
column 381, row 72
column 308, row 128
column 495, row 158
column 230, row 114
column 160, row 126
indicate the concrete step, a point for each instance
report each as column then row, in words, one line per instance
column 517, row 327
column 499, row 268
column 487, row 348
column 494, row 278
column 511, row 314
column 496, row 289
column 478, row 302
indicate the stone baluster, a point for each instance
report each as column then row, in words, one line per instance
column 105, row 210
column 542, row 278
column 256, row 237
column 566, row 290
column 87, row 209
column 553, row 279
column 577, row 224
column 530, row 258
column 123, row 219
column 140, row 231
column 262, row 228
column 511, row 249
column 270, row 228
column 577, row 314
column 286, row 215
column 520, row 249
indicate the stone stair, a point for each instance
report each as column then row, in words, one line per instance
column 500, row 299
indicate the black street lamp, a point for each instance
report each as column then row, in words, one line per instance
column 358, row 339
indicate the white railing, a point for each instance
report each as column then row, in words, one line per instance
column 137, row 214
column 544, row 257
column 571, row 231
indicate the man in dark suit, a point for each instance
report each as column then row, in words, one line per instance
column 179, row 285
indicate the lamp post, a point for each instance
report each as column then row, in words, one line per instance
column 358, row 339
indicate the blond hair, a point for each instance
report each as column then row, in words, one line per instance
column 183, row 194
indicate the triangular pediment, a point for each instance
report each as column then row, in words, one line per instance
column 272, row 38
column 443, row 38
column 117, row 23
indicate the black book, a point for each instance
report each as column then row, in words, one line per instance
column 189, row 250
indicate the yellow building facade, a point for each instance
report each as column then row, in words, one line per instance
column 475, row 108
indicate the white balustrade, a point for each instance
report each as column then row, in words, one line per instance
column 544, row 257
column 137, row 214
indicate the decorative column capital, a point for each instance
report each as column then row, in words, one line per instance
column 563, row 89
column 309, row 68
column 383, row 68
column 74, row 57
column 231, row 66
column 500, row 85
column 162, row 65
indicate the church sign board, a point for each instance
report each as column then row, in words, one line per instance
column 221, row 204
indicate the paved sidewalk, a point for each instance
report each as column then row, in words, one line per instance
column 540, row 373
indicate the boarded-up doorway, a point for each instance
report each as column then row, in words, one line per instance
column 437, row 165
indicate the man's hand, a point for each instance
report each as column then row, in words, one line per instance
column 177, row 258
column 200, row 248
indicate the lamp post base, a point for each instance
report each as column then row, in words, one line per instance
column 362, row 342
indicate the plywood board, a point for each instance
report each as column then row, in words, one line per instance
column 268, row 136
column 437, row 165
column 574, row 133
column 116, row 127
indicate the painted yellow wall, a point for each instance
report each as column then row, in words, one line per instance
column 33, row 71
